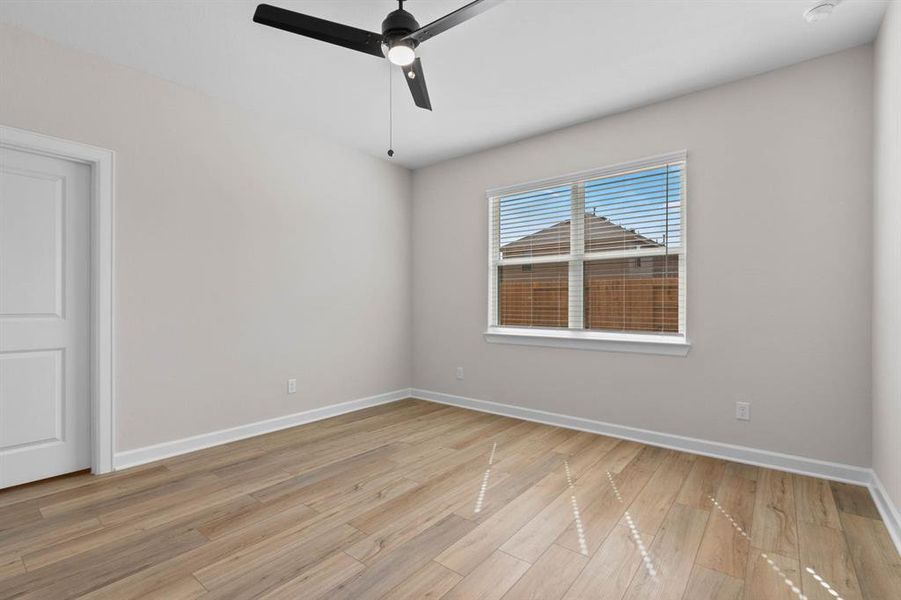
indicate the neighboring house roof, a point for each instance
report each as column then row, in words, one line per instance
column 601, row 234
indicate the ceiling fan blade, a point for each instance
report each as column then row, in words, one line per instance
column 451, row 20
column 417, row 84
column 320, row 29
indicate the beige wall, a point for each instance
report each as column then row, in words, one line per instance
column 245, row 254
column 779, row 278
column 887, row 258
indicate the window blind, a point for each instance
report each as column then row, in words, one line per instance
column 599, row 251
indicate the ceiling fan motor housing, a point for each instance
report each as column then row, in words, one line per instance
column 397, row 25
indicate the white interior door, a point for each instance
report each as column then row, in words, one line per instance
column 45, row 312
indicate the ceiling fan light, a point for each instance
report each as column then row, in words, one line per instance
column 401, row 55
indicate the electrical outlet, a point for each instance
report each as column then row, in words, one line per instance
column 459, row 372
column 292, row 386
column 743, row 411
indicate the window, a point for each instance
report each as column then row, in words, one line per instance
column 595, row 259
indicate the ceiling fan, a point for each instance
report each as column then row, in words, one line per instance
column 400, row 36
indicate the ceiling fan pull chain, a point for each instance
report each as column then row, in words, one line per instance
column 390, row 115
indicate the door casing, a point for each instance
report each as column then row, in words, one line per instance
column 102, row 162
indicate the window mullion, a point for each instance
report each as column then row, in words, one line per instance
column 577, row 256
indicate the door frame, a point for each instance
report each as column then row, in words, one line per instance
column 102, row 374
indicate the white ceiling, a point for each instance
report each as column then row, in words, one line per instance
column 522, row 68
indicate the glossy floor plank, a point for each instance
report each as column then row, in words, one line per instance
column 418, row 500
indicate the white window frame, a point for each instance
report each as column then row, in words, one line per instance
column 576, row 337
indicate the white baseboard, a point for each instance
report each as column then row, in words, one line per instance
column 742, row 454
column 887, row 509
column 140, row 456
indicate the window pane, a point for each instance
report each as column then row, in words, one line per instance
column 634, row 210
column 533, row 295
column 535, row 223
column 634, row 294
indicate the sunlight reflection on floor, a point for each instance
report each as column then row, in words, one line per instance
column 645, row 555
column 788, row 582
column 480, row 500
column 583, row 544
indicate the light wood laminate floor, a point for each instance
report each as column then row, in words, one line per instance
column 419, row 500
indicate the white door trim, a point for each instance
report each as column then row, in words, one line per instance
column 101, row 162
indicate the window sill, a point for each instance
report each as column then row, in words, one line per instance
column 671, row 345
